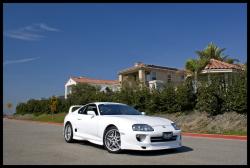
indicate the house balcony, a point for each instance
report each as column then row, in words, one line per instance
column 156, row 84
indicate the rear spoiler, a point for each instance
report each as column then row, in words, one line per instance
column 74, row 106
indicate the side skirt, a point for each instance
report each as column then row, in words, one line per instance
column 95, row 141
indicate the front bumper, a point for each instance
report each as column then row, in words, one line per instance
column 129, row 140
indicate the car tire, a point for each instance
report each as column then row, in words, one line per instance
column 112, row 140
column 68, row 133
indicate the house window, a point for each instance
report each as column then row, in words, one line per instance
column 135, row 77
column 169, row 78
column 153, row 75
column 148, row 77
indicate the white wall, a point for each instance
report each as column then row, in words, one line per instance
column 68, row 87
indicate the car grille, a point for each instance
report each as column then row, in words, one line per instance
column 161, row 139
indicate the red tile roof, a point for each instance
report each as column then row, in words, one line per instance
column 142, row 65
column 216, row 64
column 94, row 81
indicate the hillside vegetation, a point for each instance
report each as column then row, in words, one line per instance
column 196, row 122
column 196, row 104
column 231, row 123
column 214, row 98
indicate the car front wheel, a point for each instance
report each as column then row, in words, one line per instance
column 112, row 140
column 68, row 133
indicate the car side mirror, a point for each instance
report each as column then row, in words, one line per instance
column 91, row 113
column 143, row 113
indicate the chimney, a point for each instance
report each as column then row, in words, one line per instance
column 138, row 63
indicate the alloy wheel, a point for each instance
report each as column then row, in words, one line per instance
column 112, row 140
column 67, row 132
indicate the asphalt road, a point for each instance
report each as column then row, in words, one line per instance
column 38, row 143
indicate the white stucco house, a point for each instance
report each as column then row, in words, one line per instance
column 111, row 84
column 224, row 70
column 152, row 76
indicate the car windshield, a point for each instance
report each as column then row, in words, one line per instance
column 117, row 109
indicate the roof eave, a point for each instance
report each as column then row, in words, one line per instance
column 217, row 70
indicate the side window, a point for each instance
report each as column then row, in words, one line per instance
column 82, row 110
column 92, row 107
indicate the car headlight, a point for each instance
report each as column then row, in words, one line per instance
column 142, row 127
column 175, row 126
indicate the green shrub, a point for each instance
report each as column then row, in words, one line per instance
column 236, row 99
column 154, row 103
column 168, row 100
column 211, row 96
column 83, row 94
column 206, row 100
column 185, row 97
column 141, row 99
column 214, row 98
column 21, row 108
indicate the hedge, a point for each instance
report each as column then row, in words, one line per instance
column 213, row 98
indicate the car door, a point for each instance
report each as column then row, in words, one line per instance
column 78, row 117
column 87, row 125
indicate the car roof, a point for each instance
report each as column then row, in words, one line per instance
column 97, row 103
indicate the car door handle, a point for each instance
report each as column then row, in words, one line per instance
column 79, row 119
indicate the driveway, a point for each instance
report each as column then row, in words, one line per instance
column 33, row 143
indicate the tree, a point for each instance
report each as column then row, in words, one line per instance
column 21, row 108
column 236, row 98
column 154, row 103
column 212, row 51
column 9, row 106
column 195, row 66
column 168, row 100
column 53, row 105
column 141, row 98
column 185, row 97
column 84, row 93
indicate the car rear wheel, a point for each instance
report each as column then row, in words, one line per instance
column 68, row 133
column 112, row 140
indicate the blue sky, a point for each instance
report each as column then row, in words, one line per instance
column 44, row 44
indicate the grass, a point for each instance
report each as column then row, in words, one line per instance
column 58, row 118
column 231, row 132
column 239, row 132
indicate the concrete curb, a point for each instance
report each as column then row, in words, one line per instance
column 40, row 122
column 233, row 137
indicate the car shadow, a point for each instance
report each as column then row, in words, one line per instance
column 87, row 143
column 142, row 153
column 158, row 152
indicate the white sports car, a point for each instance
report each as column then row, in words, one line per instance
column 118, row 126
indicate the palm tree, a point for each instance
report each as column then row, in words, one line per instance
column 214, row 52
column 229, row 60
column 210, row 52
column 195, row 66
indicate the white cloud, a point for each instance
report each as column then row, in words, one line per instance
column 22, row 35
column 31, row 32
column 46, row 27
column 20, row 61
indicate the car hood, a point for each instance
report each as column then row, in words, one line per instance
column 142, row 119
